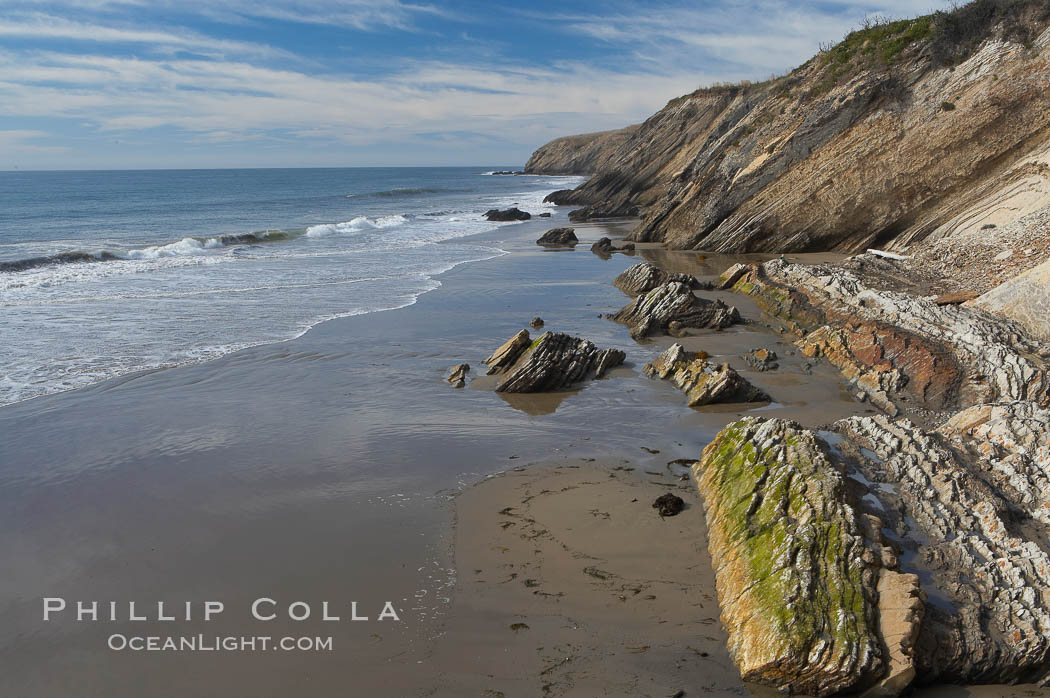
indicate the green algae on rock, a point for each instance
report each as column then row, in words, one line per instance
column 795, row 578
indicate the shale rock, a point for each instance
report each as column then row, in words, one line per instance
column 703, row 382
column 1025, row 300
column 896, row 346
column 901, row 609
column 536, row 322
column 457, row 375
column 559, row 197
column 553, row 362
column 545, row 214
column 644, row 277
column 795, row 578
column 674, row 301
column 504, row 357
column 576, row 155
column 559, row 237
column 1009, row 442
column 986, row 574
column 604, row 209
column 762, row 359
column 786, row 165
column 510, row 214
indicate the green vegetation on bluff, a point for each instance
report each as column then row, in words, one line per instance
column 947, row 37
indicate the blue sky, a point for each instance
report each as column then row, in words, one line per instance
column 248, row 83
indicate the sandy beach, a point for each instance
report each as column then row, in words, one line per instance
column 322, row 468
column 339, row 466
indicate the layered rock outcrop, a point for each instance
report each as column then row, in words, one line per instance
column 644, row 277
column 702, row 381
column 903, row 131
column 1024, row 299
column 901, row 350
column 942, row 546
column 457, row 375
column 673, row 303
column 555, row 361
column 796, row 580
column 988, row 580
column 578, row 155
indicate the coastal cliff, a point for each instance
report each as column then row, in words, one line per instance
column 905, row 132
column 578, row 155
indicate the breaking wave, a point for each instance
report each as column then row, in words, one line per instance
column 356, row 225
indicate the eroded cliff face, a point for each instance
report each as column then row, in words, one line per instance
column 846, row 152
column 578, row 155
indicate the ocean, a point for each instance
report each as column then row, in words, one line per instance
column 104, row 273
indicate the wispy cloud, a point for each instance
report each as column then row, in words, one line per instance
column 755, row 35
column 357, row 14
column 48, row 27
column 103, row 70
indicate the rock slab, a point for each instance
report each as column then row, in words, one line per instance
column 795, row 579
column 703, row 382
column 642, row 278
column 673, row 302
column 555, row 361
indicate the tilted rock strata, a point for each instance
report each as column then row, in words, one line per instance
column 1025, row 300
column 955, row 542
column 703, row 382
column 796, row 581
column 673, row 302
column 895, row 345
column 988, row 619
column 553, row 362
column 1010, row 441
column 840, row 156
column 644, row 277
column 505, row 357
column 577, row 155
column 457, row 375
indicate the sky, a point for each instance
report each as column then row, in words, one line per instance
column 128, row 84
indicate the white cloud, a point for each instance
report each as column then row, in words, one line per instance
column 357, row 14
column 762, row 36
column 233, row 91
column 43, row 26
column 117, row 94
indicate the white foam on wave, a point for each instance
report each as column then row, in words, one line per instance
column 354, row 226
column 256, row 295
column 42, row 283
column 251, row 314
column 185, row 246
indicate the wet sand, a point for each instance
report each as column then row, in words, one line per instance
column 571, row 584
column 326, row 468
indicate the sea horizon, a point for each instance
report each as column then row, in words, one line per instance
column 134, row 249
